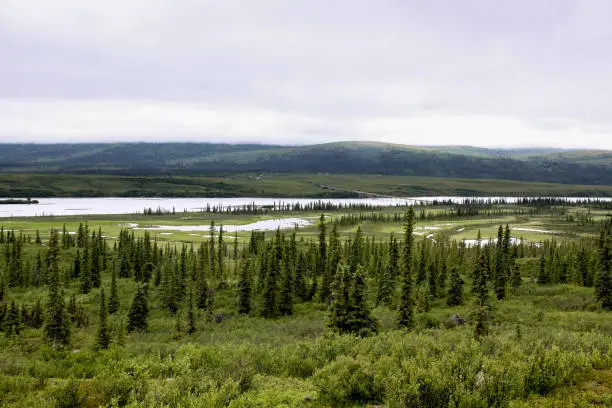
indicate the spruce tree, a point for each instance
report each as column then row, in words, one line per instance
column 406, row 313
column 24, row 316
column 300, row 279
column 501, row 258
column 37, row 316
column 432, row 281
column 12, row 321
column 191, row 319
column 202, row 298
column 423, row 261
column 322, row 259
column 221, row 252
column 113, row 301
column 178, row 327
column 86, row 283
column 270, row 301
column 340, row 299
column 285, row 305
column 482, row 298
column 386, row 285
column 515, row 277
column 76, row 265
column 455, row 291
column 139, row 312
column 94, row 262
column 543, row 275
column 478, row 252
column 359, row 320
column 603, row 279
column 244, row 287
column 57, row 322
column 442, row 276
column 103, row 339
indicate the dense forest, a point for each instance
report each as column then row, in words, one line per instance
column 592, row 168
column 85, row 319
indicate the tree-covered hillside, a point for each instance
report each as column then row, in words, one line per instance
column 571, row 167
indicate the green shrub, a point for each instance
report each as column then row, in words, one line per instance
column 68, row 395
column 348, row 380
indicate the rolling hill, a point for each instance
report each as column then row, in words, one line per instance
column 190, row 159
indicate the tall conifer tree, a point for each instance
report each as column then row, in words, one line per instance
column 103, row 339
column 244, row 287
column 139, row 312
column 113, row 301
column 57, row 322
column 405, row 317
column 603, row 279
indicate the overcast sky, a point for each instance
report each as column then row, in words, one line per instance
column 436, row 72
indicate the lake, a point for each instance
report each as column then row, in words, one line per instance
column 120, row 205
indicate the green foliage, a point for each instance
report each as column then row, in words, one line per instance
column 113, row 301
column 244, row 288
column 455, row 291
column 139, row 312
column 191, row 317
column 405, row 317
column 603, row 279
column 103, row 339
column 57, row 324
column 69, row 395
column 347, row 381
column 545, row 344
column 336, row 158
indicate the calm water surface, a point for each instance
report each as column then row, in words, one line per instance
column 86, row 206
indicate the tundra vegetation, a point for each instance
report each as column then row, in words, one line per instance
column 464, row 305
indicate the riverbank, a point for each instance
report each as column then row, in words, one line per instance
column 279, row 186
column 16, row 201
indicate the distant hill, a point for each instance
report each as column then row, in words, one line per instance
column 541, row 165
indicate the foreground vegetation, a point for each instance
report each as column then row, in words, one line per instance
column 384, row 307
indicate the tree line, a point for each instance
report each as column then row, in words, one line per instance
column 270, row 275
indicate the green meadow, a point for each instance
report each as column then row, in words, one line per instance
column 548, row 340
column 266, row 184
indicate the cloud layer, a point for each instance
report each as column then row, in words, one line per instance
column 503, row 73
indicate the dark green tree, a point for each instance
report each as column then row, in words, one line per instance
column 203, row 290
column 221, row 253
column 603, row 279
column 455, row 291
column 543, row 274
column 57, row 322
column 322, row 259
column 103, row 339
column 359, row 320
column 191, row 318
column 501, row 259
column 12, row 321
column 482, row 298
column 113, row 301
column 244, row 287
column 86, row 283
column 515, row 277
column 270, row 301
column 285, row 304
column 386, row 286
column 405, row 317
column 37, row 316
column 139, row 312
column 340, row 299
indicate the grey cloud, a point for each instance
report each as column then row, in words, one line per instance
column 337, row 62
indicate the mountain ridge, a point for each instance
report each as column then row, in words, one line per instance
column 589, row 167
